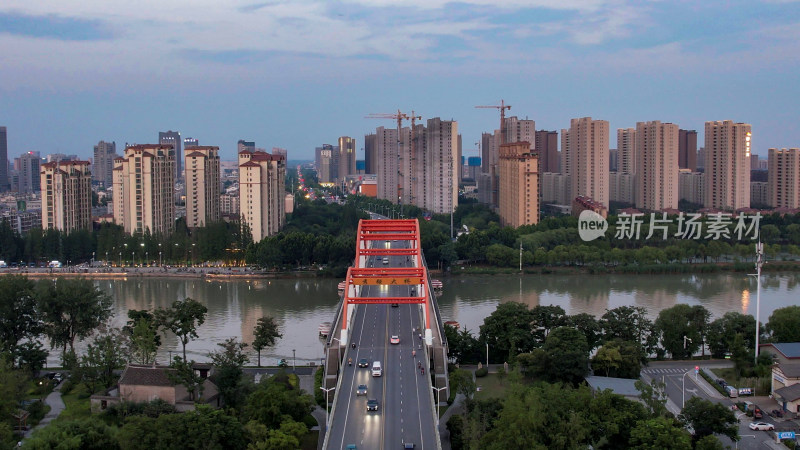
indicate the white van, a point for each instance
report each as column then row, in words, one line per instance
column 376, row 369
column 54, row 264
column 3, row 265
column 385, row 260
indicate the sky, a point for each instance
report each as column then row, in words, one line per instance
column 299, row 74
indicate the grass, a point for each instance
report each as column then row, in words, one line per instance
column 310, row 440
column 76, row 404
column 492, row 387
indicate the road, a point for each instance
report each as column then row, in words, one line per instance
column 405, row 411
column 672, row 374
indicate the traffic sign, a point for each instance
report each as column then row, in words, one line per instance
column 696, row 369
column 785, row 434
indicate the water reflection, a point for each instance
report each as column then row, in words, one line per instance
column 300, row 305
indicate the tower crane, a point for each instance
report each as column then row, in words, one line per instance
column 400, row 116
column 502, row 107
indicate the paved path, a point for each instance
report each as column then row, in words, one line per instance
column 56, row 406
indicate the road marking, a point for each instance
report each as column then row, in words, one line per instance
column 352, row 383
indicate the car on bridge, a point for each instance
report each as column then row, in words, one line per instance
column 394, row 339
column 372, row 404
column 762, row 426
column 363, row 363
column 361, row 390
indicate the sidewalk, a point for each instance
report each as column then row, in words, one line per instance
column 56, row 406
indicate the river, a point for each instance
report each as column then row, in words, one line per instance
column 300, row 305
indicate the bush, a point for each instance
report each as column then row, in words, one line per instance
column 482, row 372
column 37, row 411
column 319, row 394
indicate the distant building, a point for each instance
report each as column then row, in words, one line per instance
column 754, row 162
column 242, row 146
column 4, row 184
column 103, row 163
column 66, row 195
column 437, row 187
column 687, row 149
column 202, row 186
column 229, row 204
column 324, row 161
column 23, row 221
column 613, row 160
column 387, row 163
column 585, row 158
column 690, row 186
column 582, row 203
column 173, row 138
column 261, row 193
column 473, row 167
column 347, row 157
column 280, row 151
column 190, row 142
column 759, row 194
column 622, row 187
column 370, row 153
column 144, row 181
column 784, row 177
column 555, row 188
column 626, row 151
column 656, row 166
column 546, row 146
column 727, row 165
column 519, row 185
column 27, row 167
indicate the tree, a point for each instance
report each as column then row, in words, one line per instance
column 654, row 396
column 104, row 355
column 12, row 387
column 681, row 329
column 19, row 318
column 707, row 417
column 659, row 433
column 612, row 417
column 507, row 331
column 183, row 373
column 81, row 434
column 722, row 331
column 265, row 335
column 228, row 364
column 275, row 399
column 709, row 442
column 629, row 323
column 588, row 325
column 544, row 318
column 144, row 342
column 784, row 324
column 618, row 359
column 461, row 381
column 607, row 360
column 182, row 318
column 71, row 308
column 567, row 355
column 203, row 428
column 31, row 356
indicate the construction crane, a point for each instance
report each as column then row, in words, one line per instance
column 400, row 116
column 502, row 107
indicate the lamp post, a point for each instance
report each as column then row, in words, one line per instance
column 487, row 352
column 327, row 421
column 147, row 257
column 683, row 388
column 120, row 259
column 438, row 402
column 159, row 254
column 294, row 365
column 759, row 263
column 192, row 255
column 141, row 244
column 126, row 250
column 92, row 264
column 107, row 258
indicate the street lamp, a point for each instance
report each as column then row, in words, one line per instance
column 487, row 352
column 120, row 259
column 147, row 257
column 327, row 422
column 192, row 255
column 759, row 263
column 438, row 403
column 683, row 385
column 294, row 365
column 142, row 245
column 159, row 254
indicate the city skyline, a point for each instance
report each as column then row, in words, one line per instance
column 264, row 72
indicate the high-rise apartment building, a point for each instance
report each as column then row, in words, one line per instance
column 687, row 149
column 691, row 186
column 520, row 130
column 262, row 192
column 347, row 158
column 388, row 164
column 190, row 142
column 727, row 165
column 626, row 150
column 656, row 166
column 324, row 159
column 28, row 172
column 144, row 182
column 759, row 194
column 202, row 186
column 66, row 195
column 784, row 177
column 173, row 138
column 584, row 150
column 546, row 146
column 438, row 190
column 103, row 163
column 370, row 154
column 519, row 185
column 4, row 184
column 487, row 183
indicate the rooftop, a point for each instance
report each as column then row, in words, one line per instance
column 789, row 350
column 145, row 376
column 789, row 393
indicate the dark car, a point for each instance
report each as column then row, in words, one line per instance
column 372, row 404
column 363, row 362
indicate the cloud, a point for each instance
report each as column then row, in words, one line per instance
column 51, row 26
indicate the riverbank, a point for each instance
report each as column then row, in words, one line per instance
column 156, row 272
column 651, row 269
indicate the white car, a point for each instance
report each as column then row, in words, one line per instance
column 762, row 426
column 394, row 339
